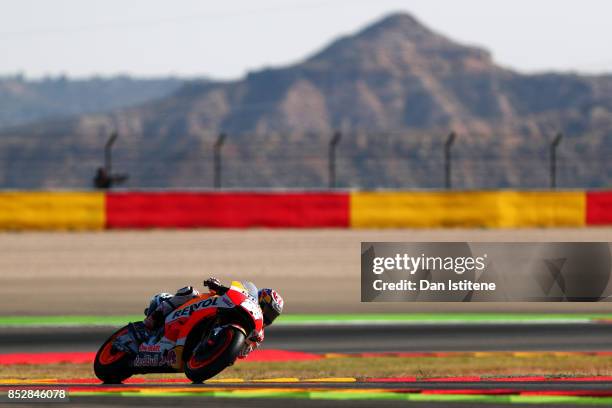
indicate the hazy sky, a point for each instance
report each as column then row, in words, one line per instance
column 229, row 38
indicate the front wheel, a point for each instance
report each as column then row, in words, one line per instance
column 213, row 354
column 112, row 366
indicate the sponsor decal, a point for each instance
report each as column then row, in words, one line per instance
column 150, row 359
column 187, row 311
column 150, row 347
column 147, row 360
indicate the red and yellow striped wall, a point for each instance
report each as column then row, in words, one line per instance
column 52, row 211
column 384, row 209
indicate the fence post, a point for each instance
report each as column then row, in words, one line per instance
column 553, row 160
column 108, row 154
column 332, row 158
column 217, row 159
column 104, row 177
column 447, row 159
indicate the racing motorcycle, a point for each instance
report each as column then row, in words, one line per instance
column 200, row 338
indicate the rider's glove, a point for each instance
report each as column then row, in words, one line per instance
column 187, row 291
column 213, row 284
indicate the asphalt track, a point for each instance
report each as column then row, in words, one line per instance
column 386, row 337
column 356, row 338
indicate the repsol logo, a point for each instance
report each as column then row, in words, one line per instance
column 195, row 307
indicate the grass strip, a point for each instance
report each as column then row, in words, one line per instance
column 59, row 321
column 335, row 319
column 560, row 399
column 424, row 318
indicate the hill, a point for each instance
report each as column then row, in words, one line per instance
column 23, row 101
column 395, row 89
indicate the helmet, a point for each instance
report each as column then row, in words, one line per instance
column 156, row 300
column 271, row 304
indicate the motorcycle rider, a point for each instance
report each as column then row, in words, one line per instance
column 162, row 304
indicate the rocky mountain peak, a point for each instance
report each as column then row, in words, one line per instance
column 403, row 39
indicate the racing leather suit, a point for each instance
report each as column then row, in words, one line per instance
column 155, row 318
column 144, row 331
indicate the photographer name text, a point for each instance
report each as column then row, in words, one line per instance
column 411, row 264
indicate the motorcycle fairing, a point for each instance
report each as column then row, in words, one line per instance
column 168, row 351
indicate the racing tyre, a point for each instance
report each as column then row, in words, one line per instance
column 112, row 366
column 212, row 355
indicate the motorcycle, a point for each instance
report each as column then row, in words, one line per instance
column 200, row 338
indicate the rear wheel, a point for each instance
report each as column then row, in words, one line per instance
column 213, row 354
column 112, row 366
